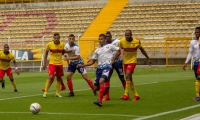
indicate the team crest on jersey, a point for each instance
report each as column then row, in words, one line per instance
column 133, row 45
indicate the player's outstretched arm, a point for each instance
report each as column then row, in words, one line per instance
column 116, row 55
column 76, row 57
column 89, row 63
column 16, row 69
column 45, row 60
column 145, row 54
column 68, row 51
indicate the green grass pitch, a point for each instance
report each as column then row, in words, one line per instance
column 166, row 93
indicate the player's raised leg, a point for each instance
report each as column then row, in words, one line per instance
column 2, row 73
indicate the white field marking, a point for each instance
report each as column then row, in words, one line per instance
column 193, row 117
column 63, row 92
column 168, row 112
column 83, row 114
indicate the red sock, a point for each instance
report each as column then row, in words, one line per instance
column 90, row 84
column 124, row 84
column 70, row 85
column 62, row 83
column 107, row 87
column 101, row 92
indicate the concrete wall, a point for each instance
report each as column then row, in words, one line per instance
column 53, row 4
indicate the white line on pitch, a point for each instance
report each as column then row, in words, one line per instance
column 83, row 114
column 63, row 91
column 168, row 112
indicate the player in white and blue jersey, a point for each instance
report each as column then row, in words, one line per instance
column 75, row 59
column 117, row 65
column 105, row 58
column 195, row 51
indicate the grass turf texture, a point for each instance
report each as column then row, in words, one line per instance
column 161, row 89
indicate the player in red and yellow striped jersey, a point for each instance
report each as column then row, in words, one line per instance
column 129, row 47
column 56, row 49
column 5, row 58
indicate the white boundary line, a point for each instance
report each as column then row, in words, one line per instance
column 82, row 114
column 168, row 112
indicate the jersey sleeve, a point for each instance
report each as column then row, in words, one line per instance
column 13, row 57
column 77, row 51
column 139, row 44
column 95, row 56
column 47, row 47
column 114, row 48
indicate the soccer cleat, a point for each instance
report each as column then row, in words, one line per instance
column 15, row 91
column 124, row 97
column 3, row 84
column 62, row 88
column 57, row 95
column 43, row 89
column 105, row 99
column 71, row 94
column 196, row 99
column 44, row 95
column 136, row 98
column 98, row 103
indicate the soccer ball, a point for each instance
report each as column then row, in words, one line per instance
column 35, row 108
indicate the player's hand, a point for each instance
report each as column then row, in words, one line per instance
column 44, row 67
column 79, row 66
column 184, row 66
column 73, row 51
column 112, row 62
column 149, row 62
column 66, row 59
column 17, row 71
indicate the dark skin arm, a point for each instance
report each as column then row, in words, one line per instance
column 72, row 58
column 145, row 54
column 45, row 60
column 16, row 69
column 89, row 63
column 116, row 56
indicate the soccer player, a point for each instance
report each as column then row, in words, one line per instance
column 195, row 51
column 129, row 45
column 117, row 65
column 56, row 49
column 104, row 56
column 75, row 59
column 5, row 58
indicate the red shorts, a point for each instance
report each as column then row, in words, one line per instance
column 130, row 67
column 7, row 71
column 56, row 70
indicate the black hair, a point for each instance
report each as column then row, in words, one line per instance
column 71, row 35
column 128, row 30
column 108, row 32
column 56, row 34
column 6, row 45
column 197, row 28
column 102, row 35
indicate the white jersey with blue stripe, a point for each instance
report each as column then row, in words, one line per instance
column 75, row 47
column 194, row 50
column 104, row 55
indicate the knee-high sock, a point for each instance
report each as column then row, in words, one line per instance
column 197, row 89
column 57, row 87
column 62, row 83
column 127, row 87
column 47, row 85
column 70, row 85
column 133, row 89
column 107, row 87
column 101, row 92
column 90, row 84
column 14, row 84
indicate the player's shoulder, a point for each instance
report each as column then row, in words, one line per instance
column 11, row 54
column 50, row 42
column 194, row 41
column 136, row 40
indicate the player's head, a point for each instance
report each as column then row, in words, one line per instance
column 71, row 39
column 56, row 38
column 102, row 39
column 197, row 32
column 128, row 35
column 108, row 37
column 6, row 49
